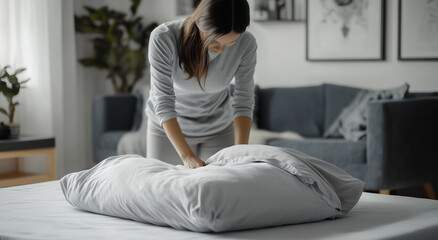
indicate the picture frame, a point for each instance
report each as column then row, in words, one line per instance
column 345, row 30
column 418, row 30
column 279, row 10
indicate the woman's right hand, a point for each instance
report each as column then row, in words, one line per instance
column 174, row 133
column 193, row 162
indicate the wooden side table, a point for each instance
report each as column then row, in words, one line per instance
column 27, row 146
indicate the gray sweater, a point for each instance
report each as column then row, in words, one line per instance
column 199, row 112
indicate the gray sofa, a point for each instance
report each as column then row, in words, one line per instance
column 401, row 147
column 400, row 150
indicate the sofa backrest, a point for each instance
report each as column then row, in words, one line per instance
column 308, row 111
column 291, row 109
column 305, row 110
column 411, row 95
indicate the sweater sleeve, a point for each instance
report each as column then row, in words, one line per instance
column 161, row 57
column 243, row 101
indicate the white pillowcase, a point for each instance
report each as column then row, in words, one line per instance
column 231, row 193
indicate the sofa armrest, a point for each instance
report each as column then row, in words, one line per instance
column 402, row 143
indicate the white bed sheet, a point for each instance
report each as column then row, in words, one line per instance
column 40, row 211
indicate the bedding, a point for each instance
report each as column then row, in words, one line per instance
column 242, row 187
column 39, row 211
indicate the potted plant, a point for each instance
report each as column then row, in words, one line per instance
column 120, row 44
column 10, row 87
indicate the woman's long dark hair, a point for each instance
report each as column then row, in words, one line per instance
column 214, row 18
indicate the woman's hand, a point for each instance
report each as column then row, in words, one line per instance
column 193, row 162
column 174, row 133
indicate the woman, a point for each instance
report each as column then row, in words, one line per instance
column 192, row 62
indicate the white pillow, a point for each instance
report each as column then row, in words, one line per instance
column 239, row 192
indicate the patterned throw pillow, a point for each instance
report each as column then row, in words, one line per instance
column 351, row 123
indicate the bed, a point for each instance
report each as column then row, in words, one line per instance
column 40, row 211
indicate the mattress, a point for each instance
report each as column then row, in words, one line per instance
column 40, row 211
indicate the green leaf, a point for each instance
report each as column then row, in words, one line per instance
column 11, row 92
column 13, row 79
column 129, row 29
column 84, row 24
column 102, row 47
column 101, row 16
column 118, row 34
column 19, row 71
column 5, row 68
column 4, row 72
column 134, row 6
column 90, row 10
column 24, row 81
column 137, row 21
column 113, row 57
column 2, row 110
column 118, row 16
column 2, row 85
column 112, row 35
column 92, row 62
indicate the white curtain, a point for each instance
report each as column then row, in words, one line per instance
column 39, row 35
column 24, row 42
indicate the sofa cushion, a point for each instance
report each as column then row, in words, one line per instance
column 339, row 152
column 336, row 99
column 110, row 139
column 292, row 109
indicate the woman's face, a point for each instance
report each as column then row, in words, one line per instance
column 218, row 45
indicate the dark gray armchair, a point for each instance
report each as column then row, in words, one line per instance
column 113, row 116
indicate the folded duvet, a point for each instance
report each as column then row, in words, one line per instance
column 242, row 187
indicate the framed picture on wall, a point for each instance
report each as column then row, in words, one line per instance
column 345, row 30
column 418, row 30
column 279, row 10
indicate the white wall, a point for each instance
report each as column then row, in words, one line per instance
column 286, row 65
column 71, row 118
column 282, row 59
